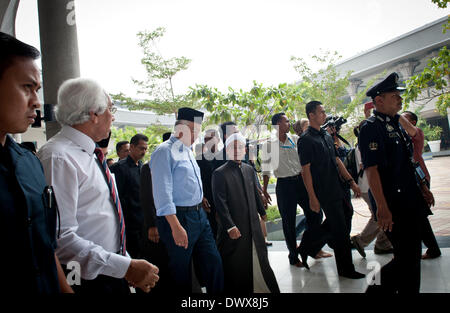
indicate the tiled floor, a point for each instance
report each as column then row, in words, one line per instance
column 322, row 276
column 439, row 168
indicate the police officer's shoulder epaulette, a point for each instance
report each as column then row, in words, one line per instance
column 371, row 119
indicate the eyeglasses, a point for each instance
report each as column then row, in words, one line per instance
column 112, row 109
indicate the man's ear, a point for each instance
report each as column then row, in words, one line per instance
column 93, row 117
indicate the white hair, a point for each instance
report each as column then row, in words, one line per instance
column 76, row 98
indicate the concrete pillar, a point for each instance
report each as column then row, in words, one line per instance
column 352, row 88
column 8, row 12
column 406, row 69
column 59, row 48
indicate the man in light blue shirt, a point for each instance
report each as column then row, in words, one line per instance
column 182, row 222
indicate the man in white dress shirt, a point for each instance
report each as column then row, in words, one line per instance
column 90, row 228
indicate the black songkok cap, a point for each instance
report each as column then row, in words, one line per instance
column 189, row 114
column 387, row 85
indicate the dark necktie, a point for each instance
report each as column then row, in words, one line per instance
column 115, row 198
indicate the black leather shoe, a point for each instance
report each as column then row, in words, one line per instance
column 269, row 244
column 431, row 254
column 352, row 275
column 304, row 257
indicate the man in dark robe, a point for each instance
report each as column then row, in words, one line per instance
column 240, row 238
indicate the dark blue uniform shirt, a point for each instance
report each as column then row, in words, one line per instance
column 384, row 143
column 27, row 223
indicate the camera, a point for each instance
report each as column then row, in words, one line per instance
column 334, row 121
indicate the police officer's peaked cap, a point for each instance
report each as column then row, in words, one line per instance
column 387, row 85
column 189, row 114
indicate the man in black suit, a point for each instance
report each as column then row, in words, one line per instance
column 128, row 176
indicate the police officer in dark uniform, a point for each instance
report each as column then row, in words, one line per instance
column 401, row 197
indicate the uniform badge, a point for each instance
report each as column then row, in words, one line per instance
column 389, row 128
column 373, row 146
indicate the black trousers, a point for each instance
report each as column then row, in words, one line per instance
column 290, row 192
column 429, row 240
column 102, row 285
column 402, row 274
column 335, row 231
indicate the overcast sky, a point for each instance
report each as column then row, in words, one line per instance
column 230, row 42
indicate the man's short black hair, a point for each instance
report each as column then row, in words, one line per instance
column 166, row 136
column 136, row 138
column 276, row 118
column 413, row 115
column 120, row 144
column 11, row 47
column 311, row 107
column 223, row 128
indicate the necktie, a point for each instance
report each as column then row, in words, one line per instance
column 115, row 198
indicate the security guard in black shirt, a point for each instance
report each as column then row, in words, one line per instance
column 322, row 174
column 402, row 201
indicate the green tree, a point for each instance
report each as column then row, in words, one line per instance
column 433, row 81
column 153, row 132
column 158, row 87
column 329, row 86
column 254, row 107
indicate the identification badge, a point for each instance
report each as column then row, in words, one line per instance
column 389, row 128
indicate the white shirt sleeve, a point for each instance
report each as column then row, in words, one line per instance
column 266, row 161
column 93, row 258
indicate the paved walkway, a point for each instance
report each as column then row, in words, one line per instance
column 439, row 168
column 323, row 278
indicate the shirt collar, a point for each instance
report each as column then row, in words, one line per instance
column 174, row 139
column 386, row 118
column 131, row 162
column 276, row 139
column 316, row 132
column 81, row 139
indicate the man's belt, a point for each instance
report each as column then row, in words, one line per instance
column 289, row 177
column 190, row 208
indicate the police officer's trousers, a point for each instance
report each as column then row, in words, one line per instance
column 402, row 274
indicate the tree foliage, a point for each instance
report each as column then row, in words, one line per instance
column 433, row 81
column 158, row 88
column 254, row 107
column 153, row 132
column 257, row 105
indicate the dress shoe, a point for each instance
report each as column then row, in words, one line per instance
column 298, row 264
column 358, row 246
column 352, row 275
column 322, row 254
column 430, row 256
column 374, row 289
column 269, row 244
column 304, row 257
column 380, row 251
